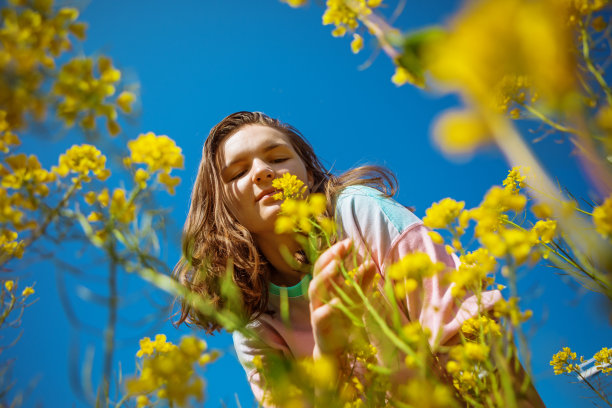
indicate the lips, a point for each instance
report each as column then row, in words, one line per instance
column 265, row 193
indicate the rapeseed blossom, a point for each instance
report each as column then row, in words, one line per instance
column 443, row 213
column 83, row 94
column 82, row 160
column 289, row 186
column 9, row 284
column 545, row 230
column 602, row 218
column 460, row 132
column 160, row 154
column 27, row 291
column 509, row 309
column 473, row 327
column 344, row 14
column 26, row 171
column 410, row 271
column 603, row 360
column 121, row 208
column 515, row 180
column 168, row 370
column 563, row 361
column 472, row 272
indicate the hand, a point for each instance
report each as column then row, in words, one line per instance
column 330, row 325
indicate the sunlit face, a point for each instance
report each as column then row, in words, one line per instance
column 250, row 159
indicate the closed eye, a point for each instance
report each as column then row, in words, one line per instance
column 237, row 175
column 279, row 160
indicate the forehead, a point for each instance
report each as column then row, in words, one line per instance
column 251, row 139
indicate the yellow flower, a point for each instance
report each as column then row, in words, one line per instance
column 296, row 3
column 602, row 218
column 436, row 237
column 603, row 360
column 95, row 216
column 169, row 181
column 120, row 208
column 402, row 76
column 515, row 180
column 290, row 186
column 510, row 310
column 482, row 324
column 104, row 198
column 472, row 272
column 142, row 401
column 545, row 230
column 357, row 43
column 562, row 361
column 157, row 152
column 125, row 100
column 83, row 160
column 90, row 197
column 460, row 132
column 27, row 291
column 284, row 225
column 9, row 284
column 489, row 41
column 542, row 210
column 443, row 213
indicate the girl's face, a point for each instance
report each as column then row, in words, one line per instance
column 250, row 159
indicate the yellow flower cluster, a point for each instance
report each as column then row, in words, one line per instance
column 300, row 215
column 422, row 392
column 7, row 137
column 169, row 371
column 465, row 365
column 545, row 230
column 473, row 327
column 82, row 93
column 410, row 271
column 563, row 361
column 602, row 218
column 603, row 360
column 509, row 310
column 121, row 208
column 83, row 160
column 445, row 213
column 159, row 154
column 472, row 272
column 515, row 180
column 9, row 246
column 344, row 14
column 31, row 38
column 26, row 172
column 488, row 41
column 289, row 186
column 460, row 132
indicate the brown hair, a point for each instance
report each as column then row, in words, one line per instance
column 212, row 237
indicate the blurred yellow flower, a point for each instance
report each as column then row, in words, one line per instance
column 602, row 218
column 603, row 360
column 357, row 43
column 443, row 213
column 290, row 187
column 125, row 100
column 27, row 291
column 545, row 230
column 460, row 132
column 9, row 284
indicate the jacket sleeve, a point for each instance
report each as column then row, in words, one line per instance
column 389, row 231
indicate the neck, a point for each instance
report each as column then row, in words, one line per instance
column 271, row 246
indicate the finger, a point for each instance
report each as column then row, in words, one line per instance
column 320, row 286
column 336, row 251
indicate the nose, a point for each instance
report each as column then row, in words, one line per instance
column 262, row 172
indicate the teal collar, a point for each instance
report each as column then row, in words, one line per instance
column 297, row 290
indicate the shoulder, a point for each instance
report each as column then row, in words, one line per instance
column 365, row 205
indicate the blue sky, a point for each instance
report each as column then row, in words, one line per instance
column 195, row 62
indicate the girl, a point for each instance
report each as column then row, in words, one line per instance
column 232, row 217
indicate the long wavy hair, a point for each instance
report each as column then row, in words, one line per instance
column 212, row 237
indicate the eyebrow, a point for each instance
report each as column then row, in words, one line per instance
column 241, row 156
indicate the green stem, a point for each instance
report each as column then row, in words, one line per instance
column 546, row 119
